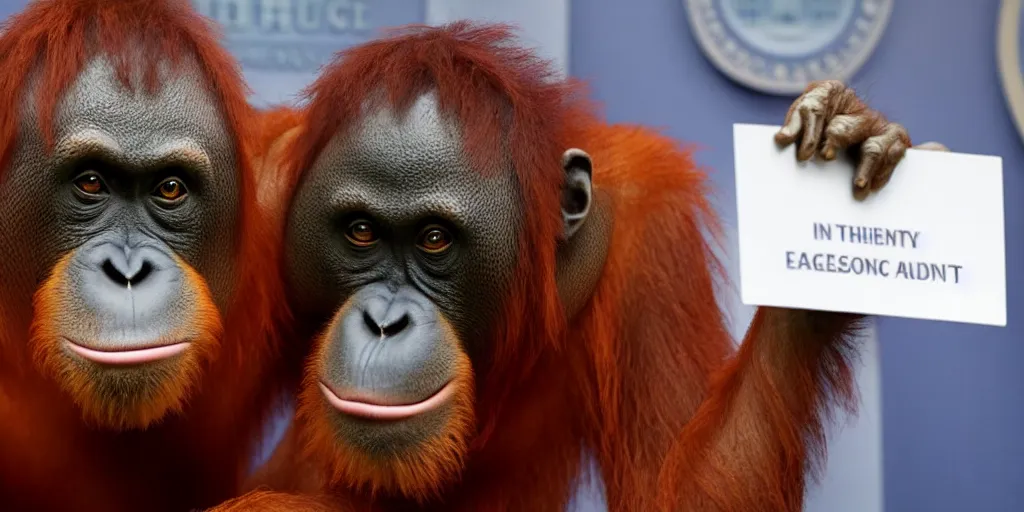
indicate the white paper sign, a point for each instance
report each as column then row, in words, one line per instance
column 929, row 245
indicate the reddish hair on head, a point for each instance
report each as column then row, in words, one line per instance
column 57, row 38
column 272, row 123
column 488, row 85
column 54, row 40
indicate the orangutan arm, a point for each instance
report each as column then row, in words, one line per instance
column 751, row 425
column 753, row 441
column 761, row 431
column 671, row 399
column 653, row 330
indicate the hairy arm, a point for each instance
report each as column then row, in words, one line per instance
column 761, row 431
column 653, row 331
column 721, row 430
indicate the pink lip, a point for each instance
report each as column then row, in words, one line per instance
column 386, row 412
column 128, row 357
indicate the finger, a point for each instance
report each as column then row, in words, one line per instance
column 861, row 194
column 813, row 126
column 893, row 156
column 870, row 156
column 882, row 177
column 887, row 146
column 790, row 130
column 842, row 132
column 892, row 141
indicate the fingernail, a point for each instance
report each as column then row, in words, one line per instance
column 829, row 153
column 860, row 182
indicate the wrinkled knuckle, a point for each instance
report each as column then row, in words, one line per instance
column 872, row 146
column 812, row 105
column 836, row 92
column 842, row 125
column 896, row 129
column 896, row 151
column 901, row 132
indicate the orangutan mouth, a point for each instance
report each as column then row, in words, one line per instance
column 374, row 411
column 129, row 356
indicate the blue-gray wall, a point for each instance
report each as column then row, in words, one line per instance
column 952, row 395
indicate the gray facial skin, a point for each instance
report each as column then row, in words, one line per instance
column 403, row 173
column 390, row 347
column 399, row 176
column 130, row 143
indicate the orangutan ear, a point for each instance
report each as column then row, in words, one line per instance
column 584, row 246
column 577, row 191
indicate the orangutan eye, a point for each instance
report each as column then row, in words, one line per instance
column 90, row 183
column 360, row 233
column 434, row 239
column 171, row 190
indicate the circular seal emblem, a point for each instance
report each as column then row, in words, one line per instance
column 1008, row 46
column 779, row 46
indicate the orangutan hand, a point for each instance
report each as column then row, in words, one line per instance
column 829, row 117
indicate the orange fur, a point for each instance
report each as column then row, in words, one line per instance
column 198, row 457
column 420, row 474
column 645, row 379
column 168, row 389
column 271, row 501
column 275, row 122
column 751, row 428
column 277, row 128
